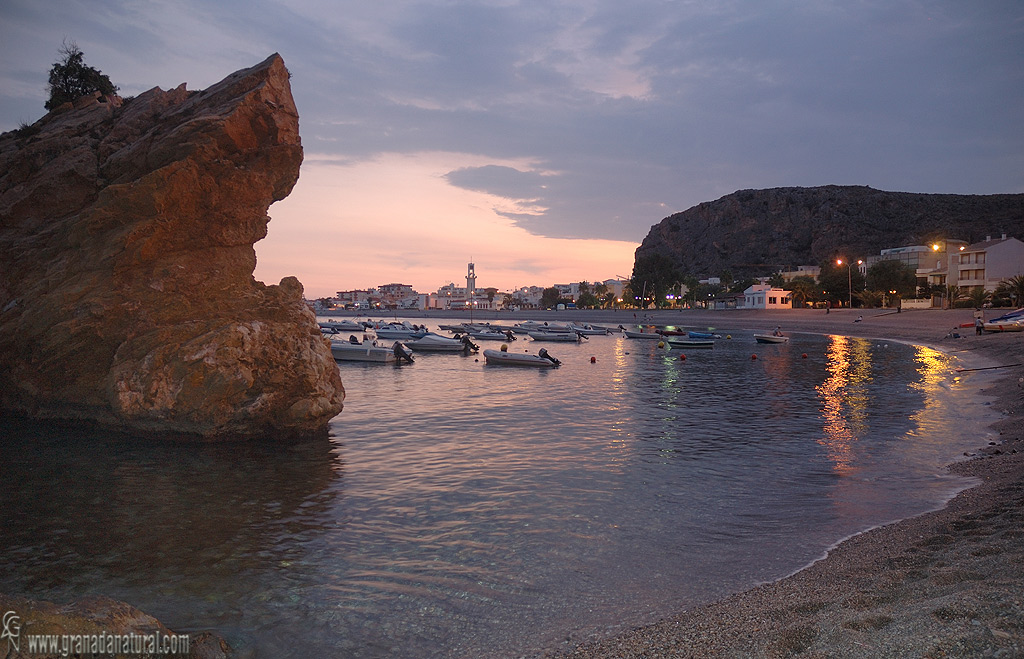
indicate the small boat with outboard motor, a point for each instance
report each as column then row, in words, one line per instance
column 504, row 358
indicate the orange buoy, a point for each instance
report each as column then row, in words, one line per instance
column 753, row 356
column 593, row 360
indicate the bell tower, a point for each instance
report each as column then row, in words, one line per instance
column 470, row 281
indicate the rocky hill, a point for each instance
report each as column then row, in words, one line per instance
column 754, row 232
column 126, row 260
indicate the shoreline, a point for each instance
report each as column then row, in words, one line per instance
column 942, row 583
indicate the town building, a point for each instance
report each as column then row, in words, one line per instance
column 812, row 271
column 763, row 296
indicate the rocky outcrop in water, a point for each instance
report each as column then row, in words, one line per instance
column 126, row 243
column 761, row 231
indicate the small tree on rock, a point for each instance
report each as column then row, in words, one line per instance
column 70, row 78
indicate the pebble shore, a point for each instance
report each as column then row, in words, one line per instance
column 943, row 584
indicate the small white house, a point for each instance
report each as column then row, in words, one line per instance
column 763, row 296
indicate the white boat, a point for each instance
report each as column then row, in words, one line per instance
column 528, row 326
column 770, row 338
column 346, row 325
column 399, row 331
column 633, row 334
column 564, row 337
column 1010, row 322
column 367, row 351
column 491, row 335
column 1010, row 325
column 542, row 359
column 690, row 343
column 431, row 342
column 589, row 330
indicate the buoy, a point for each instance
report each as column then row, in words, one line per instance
column 753, row 356
column 593, row 360
column 661, row 344
column 804, row 356
column 682, row 358
column 728, row 336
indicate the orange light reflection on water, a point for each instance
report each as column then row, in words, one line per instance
column 844, row 398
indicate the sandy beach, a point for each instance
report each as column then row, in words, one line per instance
column 943, row 584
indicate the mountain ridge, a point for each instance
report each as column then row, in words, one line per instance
column 753, row 232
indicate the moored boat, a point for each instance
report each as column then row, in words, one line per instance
column 633, row 334
column 431, row 342
column 690, row 343
column 364, row 351
column 770, row 338
column 589, row 330
column 501, row 357
column 564, row 337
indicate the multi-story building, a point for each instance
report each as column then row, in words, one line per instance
column 812, row 271
column 985, row 264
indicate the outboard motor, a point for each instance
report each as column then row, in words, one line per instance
column 509, row 335
column 544, row 353
column 353, row 340
column 469, row 345
column 402, row 353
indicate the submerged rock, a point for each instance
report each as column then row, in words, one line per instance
column 79, row 629
column 126, row 243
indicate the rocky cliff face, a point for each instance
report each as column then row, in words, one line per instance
column 126, row 244
column 760, row 231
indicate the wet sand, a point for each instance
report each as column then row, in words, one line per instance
column 943, row 584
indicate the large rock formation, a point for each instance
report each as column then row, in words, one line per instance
column 753, row 232
column 126, row 261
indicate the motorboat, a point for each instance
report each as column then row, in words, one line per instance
column 643, row 334
column 689, row 343
column 399, row 331
column 367, row 351
column 345, row 325
column 431, row 342
column 770, row 338
column 589, row 330
column 491, row 335
column 703, row 335
column 564, row 337
column 504, row 358
column 528, row 326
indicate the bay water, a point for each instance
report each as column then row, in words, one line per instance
column 459, row 509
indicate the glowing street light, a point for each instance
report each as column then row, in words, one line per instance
column 849, row 280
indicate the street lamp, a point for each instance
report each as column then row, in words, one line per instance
column 849, row 280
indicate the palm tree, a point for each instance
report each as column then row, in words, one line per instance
column 1012, row 288
column 979, row 296
column 803, row 289
column 953, row 293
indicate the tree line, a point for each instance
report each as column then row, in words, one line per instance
column 656, row 281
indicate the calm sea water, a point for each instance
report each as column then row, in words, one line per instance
column 459, row 509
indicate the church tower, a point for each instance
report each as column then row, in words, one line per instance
column 470, row 282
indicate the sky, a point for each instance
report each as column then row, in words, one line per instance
column 542, row 139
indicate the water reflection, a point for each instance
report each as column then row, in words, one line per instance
column 482, row 511
column 844, row 398
column 188, row 532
